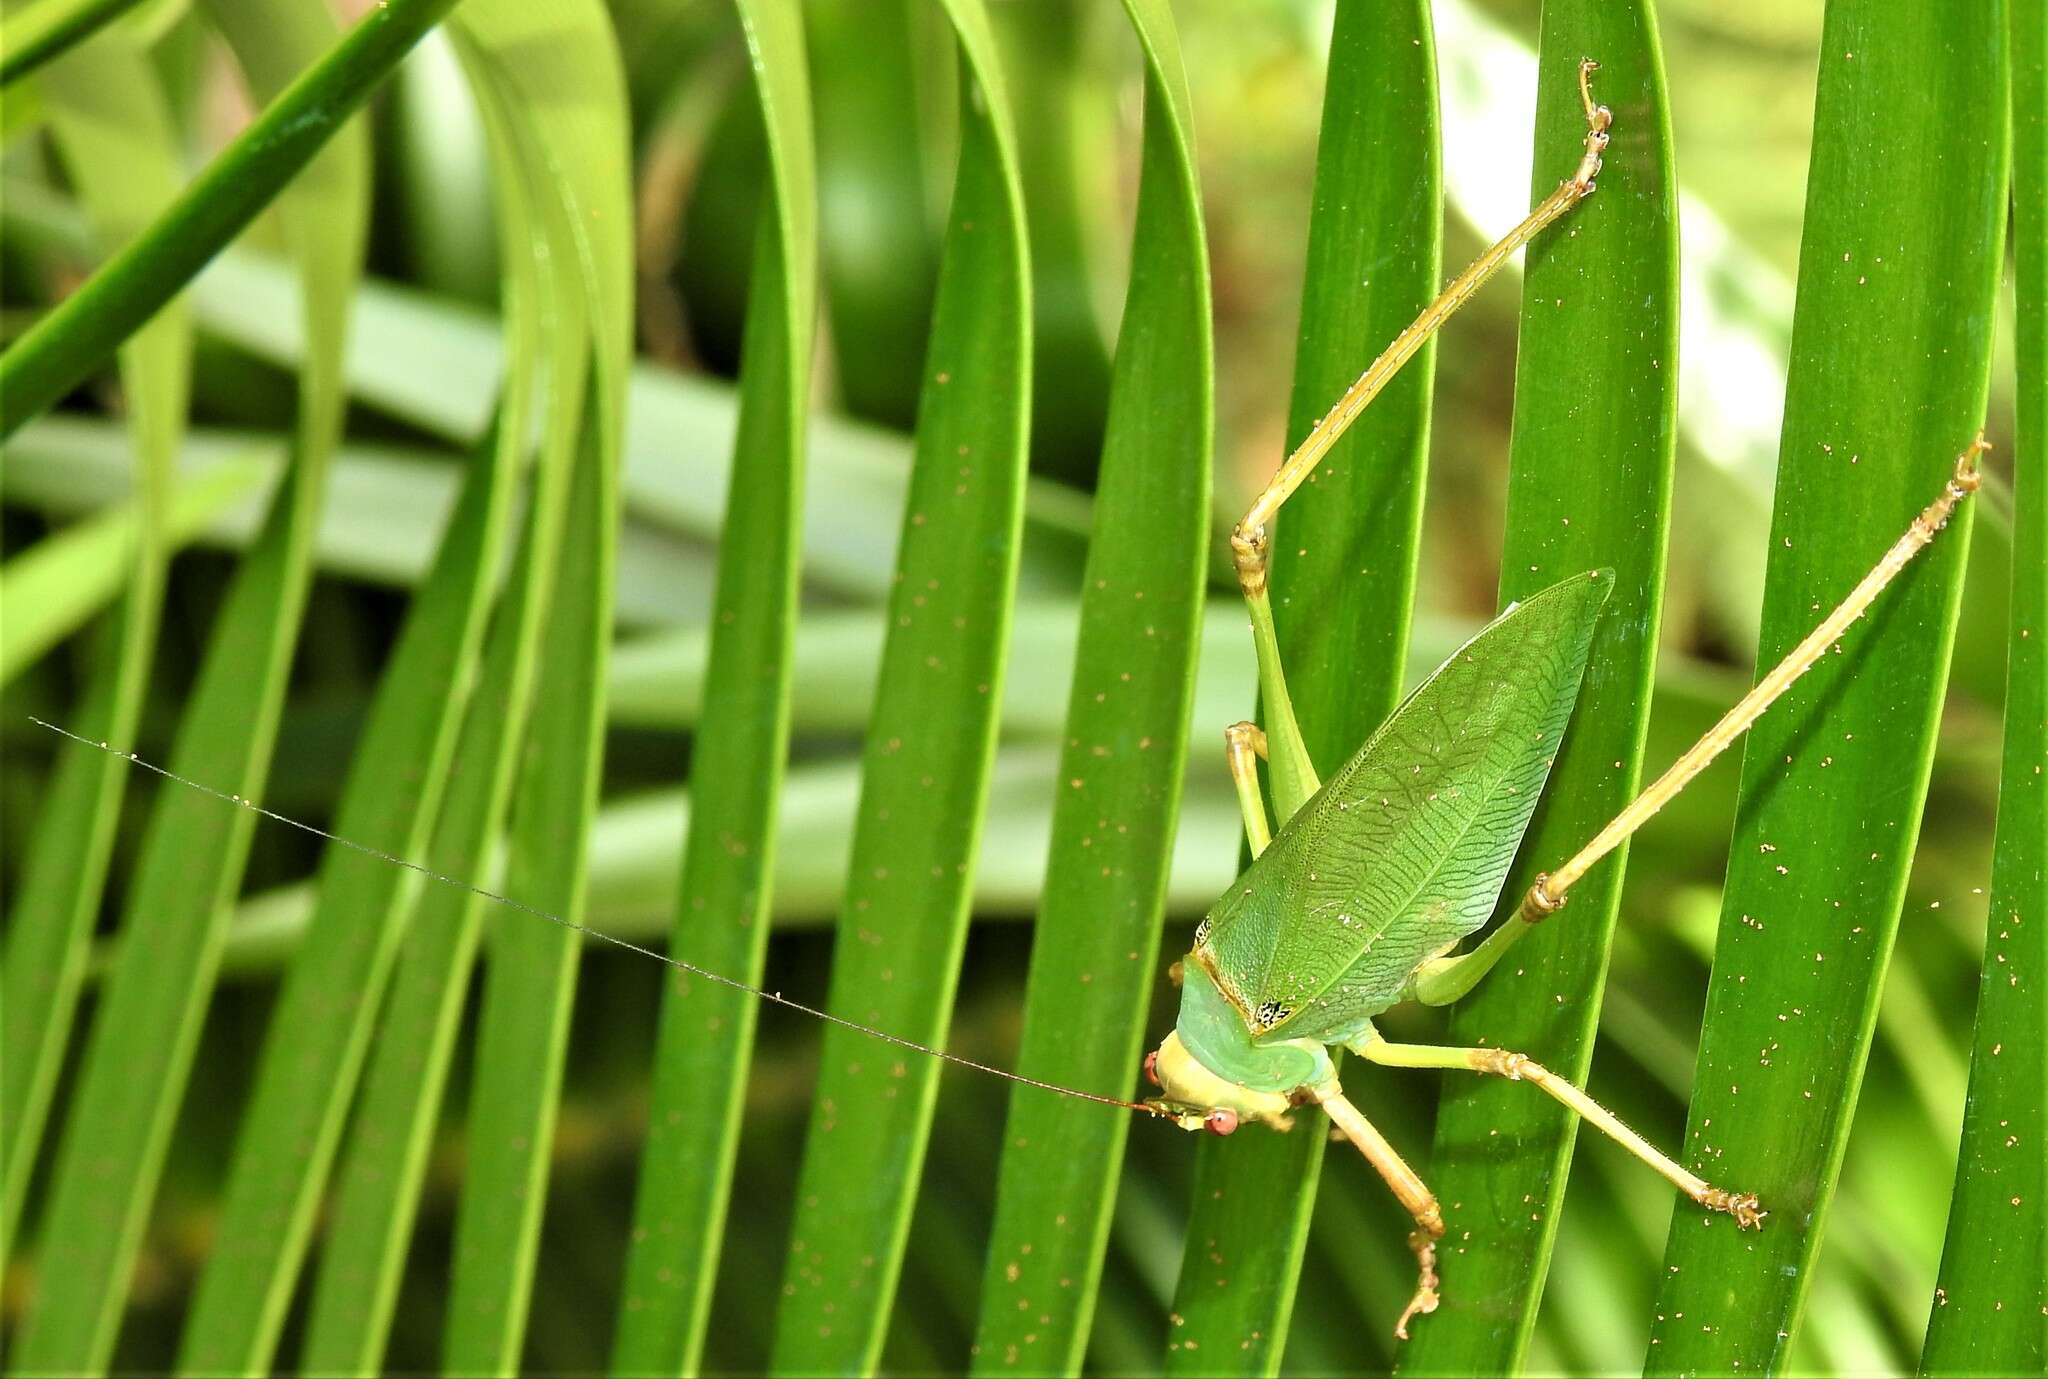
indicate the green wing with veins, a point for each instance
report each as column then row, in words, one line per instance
column 1403, row 851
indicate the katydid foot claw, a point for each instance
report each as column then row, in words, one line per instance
column 1599, row 119
column 1749, row 1213
column 1422, row 1240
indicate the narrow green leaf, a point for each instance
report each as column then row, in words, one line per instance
column 377, row 1195
column 322, row 1023
column 62, row 348
column 148, row 1020
column 106, row 109
column 1343, row 581
column 875, row 222
column 38, row 33
column 530, row 986
column 384, row 1163
column 1890, row 364
column 706, row 1033
column 1990, row 1311
column 548, row 75
column 1114, row 817
column 926, row 768
column 1596, row 391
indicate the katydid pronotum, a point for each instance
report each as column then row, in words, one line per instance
column 1356, row 901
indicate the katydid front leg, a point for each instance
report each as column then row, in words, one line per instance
column 1445, row 980
column 1408, row 1187
column 1251, row 542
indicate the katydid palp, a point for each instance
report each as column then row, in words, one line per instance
column 1356, row 901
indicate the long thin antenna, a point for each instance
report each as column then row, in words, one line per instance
column 678, row 964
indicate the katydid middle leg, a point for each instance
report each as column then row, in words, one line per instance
column 1518, row 1067
column 1243, row 745
column 1293, row 775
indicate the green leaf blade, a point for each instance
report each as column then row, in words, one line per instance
column 1343, row 582
column 721, row 924
column 548, row 76
column 147, row 1023
column 109, row 116
column 926, row 767
column 1990, row 1310
column 330, row 994
column 531, row 983
column 66, row 344
column 1589, row 485
column 44, row 32
column 1890, row 363
column 384, row 1166
column 1128, row 715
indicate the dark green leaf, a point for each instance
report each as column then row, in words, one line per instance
column 926, row 769
column 1890, row 363
column 1343, row 580
column 1128, row 712
column 1595, row 396
column 1990, row 1311
column 723, row 906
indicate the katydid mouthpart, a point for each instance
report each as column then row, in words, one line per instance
column 1357, row 900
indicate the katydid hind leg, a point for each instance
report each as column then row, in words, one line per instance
column 1743, row 1206
column 1251, row 542
column 1548, row 893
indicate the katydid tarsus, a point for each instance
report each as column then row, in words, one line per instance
column 1356, row 900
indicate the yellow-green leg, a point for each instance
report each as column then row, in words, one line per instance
column 1414, row 1195
column 1446, row 979
column 1243, row 745
column 1517, row 1067
column 1293, row 775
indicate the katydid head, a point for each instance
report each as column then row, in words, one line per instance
column 1196, row 1098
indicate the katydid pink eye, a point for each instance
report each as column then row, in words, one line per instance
column 1220, row 1121
column 1152, row 1068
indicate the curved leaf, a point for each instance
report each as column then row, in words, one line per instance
column 926, row 767
column 549, row 76
column 1990, row 1312
column 1890, row 364
column 148, row 1020
column 721, row 918
column 1590, row 483
column 1343, row 581
column 1115, row 813
column 107, row 111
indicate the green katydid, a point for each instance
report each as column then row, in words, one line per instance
column 1373, row 878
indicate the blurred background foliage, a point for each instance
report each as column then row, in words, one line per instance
column 1741, row 78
